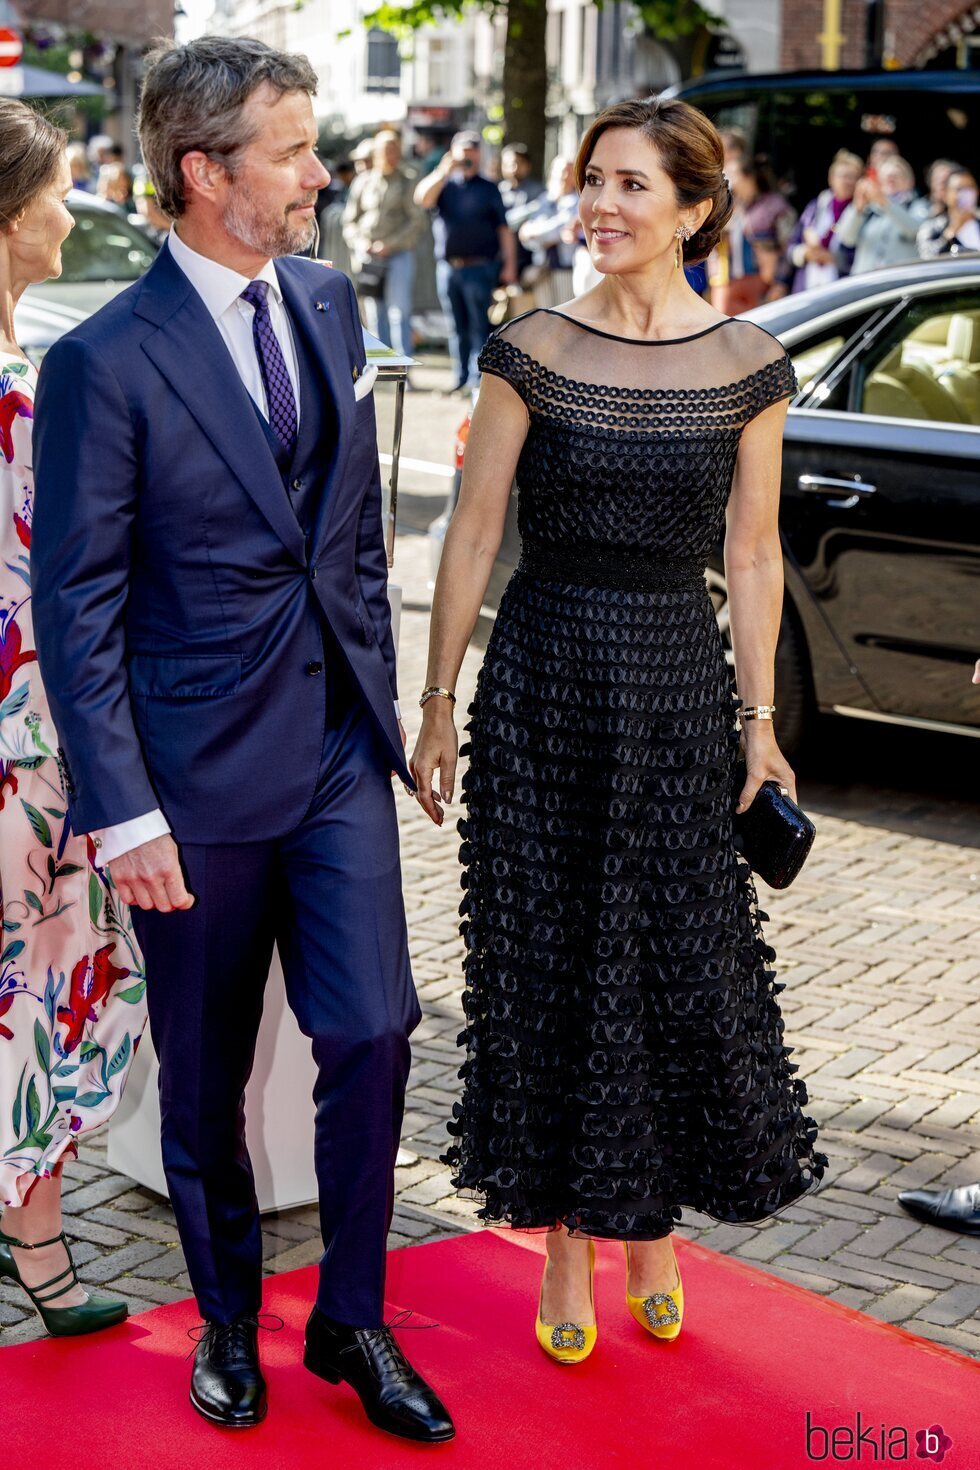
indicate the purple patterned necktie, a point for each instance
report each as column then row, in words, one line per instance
column 272, row 365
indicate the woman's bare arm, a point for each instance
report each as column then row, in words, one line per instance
column 497, row 433
column 754, row 572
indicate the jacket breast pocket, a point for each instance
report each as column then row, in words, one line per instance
column 184, row 675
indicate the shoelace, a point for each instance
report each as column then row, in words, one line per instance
column 231, row 1338
column 372, row 1340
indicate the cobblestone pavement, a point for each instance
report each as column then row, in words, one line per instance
column 879, row 946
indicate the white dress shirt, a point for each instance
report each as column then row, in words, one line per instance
column 220, row 288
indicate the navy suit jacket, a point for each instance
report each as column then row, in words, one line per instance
column 177, row 602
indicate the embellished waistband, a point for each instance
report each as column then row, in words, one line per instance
column 611, row 567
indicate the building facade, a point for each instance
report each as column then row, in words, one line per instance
column 940, row 33
column 359, row 71
column 449, row 75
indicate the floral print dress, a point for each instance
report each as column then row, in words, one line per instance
column 72, row 985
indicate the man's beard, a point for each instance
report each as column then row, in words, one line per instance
column 244, row 219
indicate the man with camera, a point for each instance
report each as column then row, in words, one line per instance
column 475, row 249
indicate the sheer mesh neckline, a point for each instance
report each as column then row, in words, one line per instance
column 637, row 393
column 717, row 378
column 638, row 341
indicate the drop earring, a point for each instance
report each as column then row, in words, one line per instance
column 681, row 233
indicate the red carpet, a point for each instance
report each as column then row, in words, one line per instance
column 755, row 1354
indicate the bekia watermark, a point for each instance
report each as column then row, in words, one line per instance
column 871, row 1444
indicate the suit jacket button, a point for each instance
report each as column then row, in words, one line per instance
column 297, row 484
column 313, row 667
column 312, row 574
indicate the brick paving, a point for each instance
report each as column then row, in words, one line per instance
column 879, row 946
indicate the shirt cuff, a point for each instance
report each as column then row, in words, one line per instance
column 398, row 710
column 112, row 842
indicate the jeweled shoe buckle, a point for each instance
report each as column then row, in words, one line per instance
column 661, row 1299
column 561, row 1334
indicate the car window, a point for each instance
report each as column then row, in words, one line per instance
column 820, row 361
column 104, row 247
column 925, row 364
column 810, row 360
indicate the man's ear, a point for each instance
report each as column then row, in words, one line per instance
column 201, row 174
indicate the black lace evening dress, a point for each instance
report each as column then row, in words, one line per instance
column 624, row 1044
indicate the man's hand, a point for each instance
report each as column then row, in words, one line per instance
column 150, row 877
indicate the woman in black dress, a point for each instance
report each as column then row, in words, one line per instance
column 624, row 1044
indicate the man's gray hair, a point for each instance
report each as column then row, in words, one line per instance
column 192, row 100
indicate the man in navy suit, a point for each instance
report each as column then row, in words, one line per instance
column 213, row 627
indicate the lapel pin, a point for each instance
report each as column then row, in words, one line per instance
column 355, row 373
column 322, row 305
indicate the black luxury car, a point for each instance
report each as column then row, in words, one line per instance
column 880, row 507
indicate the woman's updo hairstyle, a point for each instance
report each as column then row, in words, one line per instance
column 690, row 151
column 31, row 152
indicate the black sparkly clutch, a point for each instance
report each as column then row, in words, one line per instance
column 774, row 834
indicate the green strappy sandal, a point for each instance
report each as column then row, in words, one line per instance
column 89, row 1316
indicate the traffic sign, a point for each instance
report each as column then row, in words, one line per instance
column 11, row 47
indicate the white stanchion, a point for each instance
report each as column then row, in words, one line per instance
column 278, row 1111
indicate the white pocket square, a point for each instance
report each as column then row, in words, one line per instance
column 364, row 384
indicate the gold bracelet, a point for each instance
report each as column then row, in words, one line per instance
column 432, row 690
column 757, row 712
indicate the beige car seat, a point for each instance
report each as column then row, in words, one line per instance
column 902, row 389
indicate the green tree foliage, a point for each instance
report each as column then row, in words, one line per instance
column 56, row 58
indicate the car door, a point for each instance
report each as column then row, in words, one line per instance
column 881, row 505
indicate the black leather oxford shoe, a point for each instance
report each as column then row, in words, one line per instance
column 227, row 1386
column 952, row 1209
column 395, row 1397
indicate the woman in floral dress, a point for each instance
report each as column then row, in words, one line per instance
column 71, row 975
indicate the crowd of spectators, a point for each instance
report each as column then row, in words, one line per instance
column 503, row 239
column 872, row 213
column 452, row 225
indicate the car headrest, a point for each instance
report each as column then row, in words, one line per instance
column 963, row 341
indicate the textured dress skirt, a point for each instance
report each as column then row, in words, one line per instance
column 624, row 1048
column 72, row 1009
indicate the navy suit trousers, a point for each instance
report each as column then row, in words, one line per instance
column 329, row 894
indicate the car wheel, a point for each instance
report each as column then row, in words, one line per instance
column 793, row 697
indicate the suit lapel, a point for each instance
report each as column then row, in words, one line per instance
column 189, row 351
column 313, row 314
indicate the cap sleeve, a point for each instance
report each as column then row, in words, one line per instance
column 776, row 379
column 500, row 357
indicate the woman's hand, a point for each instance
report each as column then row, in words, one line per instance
column 435, row 750
column 764, row 762
column 818, row 255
